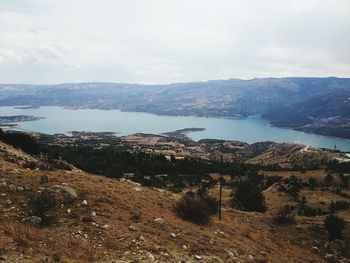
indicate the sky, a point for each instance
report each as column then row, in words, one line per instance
column 167, row 41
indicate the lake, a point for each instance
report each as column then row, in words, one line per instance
column 250, row 130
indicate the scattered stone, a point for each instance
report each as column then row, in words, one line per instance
column 69, row 211
column 20, row 189
column 12, row 188
column 151, row 257
column 173, row 235
column 184, row 247
column 105, row 226
column 329, row 256
column 159, row 221
column 84, row 202
column 62, row 194
column 197, row 257
column 93, row 213
column 35, row 220
column 132, row 228
column 137, row 189
column 315, row 248
column 28, row 188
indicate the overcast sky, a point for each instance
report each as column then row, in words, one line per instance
column 164, row 41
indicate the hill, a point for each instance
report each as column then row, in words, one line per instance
column 97, row 219
column 216, row 98
column 328, row 114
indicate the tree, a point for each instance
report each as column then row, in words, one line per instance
column 334, row 226
column 328, row 179
column 312, row 183
column 248, row 197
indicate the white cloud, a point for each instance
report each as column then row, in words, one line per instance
column 162, row 41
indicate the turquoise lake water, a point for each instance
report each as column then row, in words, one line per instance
column 250, row 130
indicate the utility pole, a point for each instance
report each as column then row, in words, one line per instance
column 220, row 196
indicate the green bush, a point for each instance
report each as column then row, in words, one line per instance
column 248, row 197
column 312, row 183
column 285, row 215
column 335, row 226
column 195, row 208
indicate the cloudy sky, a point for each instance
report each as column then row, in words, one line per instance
column 163, row 41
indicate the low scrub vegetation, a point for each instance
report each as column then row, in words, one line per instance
column 248, row 197
column 335, row 226
column 285, row 215
column 196, row 208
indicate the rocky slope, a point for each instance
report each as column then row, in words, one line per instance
column 96, row 219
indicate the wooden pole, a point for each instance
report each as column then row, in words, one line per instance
column 220, row 197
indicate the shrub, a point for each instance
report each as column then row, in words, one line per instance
column 335, row 226
column 294, row 184
column 328, row 179
column 312, row 183
column 248, row 197
column 285, row 215
column 196, row 208
column 20, row 140
column 338, row 205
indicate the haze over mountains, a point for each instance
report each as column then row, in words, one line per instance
column 318, row 105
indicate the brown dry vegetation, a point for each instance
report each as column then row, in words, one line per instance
column 239, row 237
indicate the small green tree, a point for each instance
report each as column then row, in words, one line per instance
column 328, row 179
column 312, row 183
column 334, row 226
column 248, row 197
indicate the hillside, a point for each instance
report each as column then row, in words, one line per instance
column 97, row 219
column 287, row 102
column 227, row 98
column 328, row 114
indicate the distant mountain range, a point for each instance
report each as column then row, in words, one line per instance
column 318, row 105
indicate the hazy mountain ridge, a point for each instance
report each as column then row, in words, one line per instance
column 326, row 114
column 217, row 98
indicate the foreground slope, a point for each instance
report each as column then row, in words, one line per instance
column 120, row 221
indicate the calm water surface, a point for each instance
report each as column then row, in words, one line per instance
column 250, row 130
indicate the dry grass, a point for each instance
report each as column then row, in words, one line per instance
column 22, row 233
column 118, row 204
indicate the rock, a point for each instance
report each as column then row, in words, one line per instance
column 28, row 188
column 315, row 248
column 105, row 226
column 62, row 194
column 20, row 189
column 84, row 202
column 173, row 235
column 159, row 221
column 151, row 257
column 137, row 189
column 250, row 257
column 329, row 256
column 93, row 213
column 132, row 228
column 197, row 257
column 35, row 220
column 69, row 211
column 184, row 247
column 12, row 188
